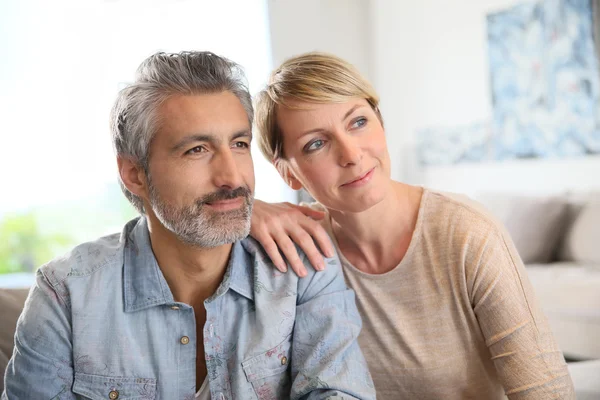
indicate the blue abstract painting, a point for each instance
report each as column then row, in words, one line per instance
column 453, row 145
column 544, row 80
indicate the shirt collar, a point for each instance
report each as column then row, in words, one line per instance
column 144, row 284
column 241, row 269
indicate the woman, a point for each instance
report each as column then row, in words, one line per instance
column 447, row 309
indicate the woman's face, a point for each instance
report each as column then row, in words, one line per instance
column 337, row 152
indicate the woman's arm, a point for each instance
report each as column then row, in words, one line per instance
column 527, row 358
column 278, row 226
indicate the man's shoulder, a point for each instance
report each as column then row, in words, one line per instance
column 259, row 257
column 258, row 262
column 85, row 259
column 265, row 272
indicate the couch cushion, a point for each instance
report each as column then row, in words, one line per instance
column 582, row 240
column 534, row 223
column 11, row 304
column 585, row 379
column 569, row 296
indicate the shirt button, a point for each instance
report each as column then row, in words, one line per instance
column 184, row 340
column 174, row 307
column 113, row 394
column 283, row 360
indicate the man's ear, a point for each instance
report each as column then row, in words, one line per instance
column 287, row 174
column 133, row 176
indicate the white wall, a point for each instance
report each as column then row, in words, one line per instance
column 341, row 27
column 65, row 62
column 430, row 65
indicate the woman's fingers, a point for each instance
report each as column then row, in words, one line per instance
column 278, row 226
column 319, row 235
column 289, row 251
column 309, row 212
column 272, row 250
column 308, row 246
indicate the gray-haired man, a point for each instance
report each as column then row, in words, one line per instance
column 181, row 304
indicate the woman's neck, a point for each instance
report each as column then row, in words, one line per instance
column 376, row 240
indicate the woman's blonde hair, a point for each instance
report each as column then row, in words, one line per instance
column 313, row 78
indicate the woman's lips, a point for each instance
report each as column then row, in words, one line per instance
column 361, row 180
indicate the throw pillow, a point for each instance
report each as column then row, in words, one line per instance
column 534, row 223
column 582, row 242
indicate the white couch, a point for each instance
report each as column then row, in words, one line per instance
column 11, row 304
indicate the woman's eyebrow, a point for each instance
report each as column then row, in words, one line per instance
column 348, row 113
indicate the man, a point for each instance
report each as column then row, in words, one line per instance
column 181, row 304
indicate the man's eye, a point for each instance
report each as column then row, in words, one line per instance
column 360, row 122
column 196, row 150
column 314, row 145
column 241, row 145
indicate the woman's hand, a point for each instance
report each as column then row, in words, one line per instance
column 278, row 226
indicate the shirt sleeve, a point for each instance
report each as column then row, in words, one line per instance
column 526, row 356
column 41, row 366
column 327, row 362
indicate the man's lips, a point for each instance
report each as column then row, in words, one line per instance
column 227, row 204
column 364, row 177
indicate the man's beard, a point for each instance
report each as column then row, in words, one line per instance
column 197, row 225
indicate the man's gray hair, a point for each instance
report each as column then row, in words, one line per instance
column 134, row 120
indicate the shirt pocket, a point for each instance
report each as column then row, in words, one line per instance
column 269, row 372
column 96, row 387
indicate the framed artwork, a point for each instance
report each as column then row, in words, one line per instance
column 544, row 80
column 452, row 145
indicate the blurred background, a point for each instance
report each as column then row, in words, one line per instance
column 496, row 99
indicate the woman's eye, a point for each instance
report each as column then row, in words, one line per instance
column 360, row 122
column 314, row 145
column 196, row 150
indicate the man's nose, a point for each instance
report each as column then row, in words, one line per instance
column 226, row 171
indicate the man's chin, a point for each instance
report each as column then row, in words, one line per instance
column 218, row 238
column 237, row 215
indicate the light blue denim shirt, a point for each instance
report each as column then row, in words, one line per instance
column 101, row 323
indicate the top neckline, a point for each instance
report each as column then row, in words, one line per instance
column 413, row 243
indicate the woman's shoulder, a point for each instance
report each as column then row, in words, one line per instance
column 463, row 226
column 456, row 212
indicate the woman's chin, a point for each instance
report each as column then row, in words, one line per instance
column 358, row 204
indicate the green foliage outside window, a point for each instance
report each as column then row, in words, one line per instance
column 31, row 238
column 24, row 246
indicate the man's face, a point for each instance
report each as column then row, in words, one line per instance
column 200, row 171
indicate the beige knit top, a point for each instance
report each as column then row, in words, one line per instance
column 457, row 318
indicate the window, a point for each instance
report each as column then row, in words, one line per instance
column 63, row 64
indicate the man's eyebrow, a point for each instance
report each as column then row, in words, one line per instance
column 207, row 138
column 348, row 113
column 187, row 140
column 240, row 134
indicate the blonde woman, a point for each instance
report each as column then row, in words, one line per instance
column 448, row 311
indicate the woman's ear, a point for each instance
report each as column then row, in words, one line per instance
column 287, row 174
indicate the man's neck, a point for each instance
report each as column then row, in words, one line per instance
column 193, row 273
